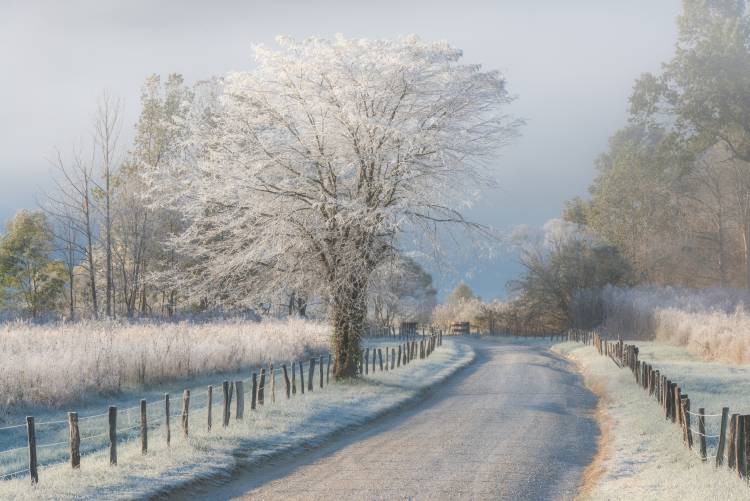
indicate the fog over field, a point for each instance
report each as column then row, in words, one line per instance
column 571, row 64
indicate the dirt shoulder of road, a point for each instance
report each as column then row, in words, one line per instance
column 596, row 469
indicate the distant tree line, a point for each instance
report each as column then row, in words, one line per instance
column 671, row 202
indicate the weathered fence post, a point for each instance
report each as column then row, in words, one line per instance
column 262, row 386
column 225, row 408
column 702, row 431
column 301, row 378
column 732, row 442
column 328, row 369
column 688, row 431
column 144, row 428
column 210, row 397
column 294, row 379
column 253, row 396
column 185, row 412
column 320, row 371
column 311, row 374
column 31, row 439
column 722, row 436
column 166, row 418
column 240, row 411
column 739, row 445
column 272, row 375
column 75, row 440
column 287, row 385
column 367, row 361
column 398, row 358
column 393, row 358
column 380, row 358
column 112, row 435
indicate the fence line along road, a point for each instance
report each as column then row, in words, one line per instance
column 730, row 444
column 408, row 351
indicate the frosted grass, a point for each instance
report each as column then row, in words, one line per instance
column 645, row 457
column 284, row 427
column 61, row 364
column 712, row 323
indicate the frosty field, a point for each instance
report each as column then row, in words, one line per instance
column 60, row 364
column 642, row 455
column 303, row 421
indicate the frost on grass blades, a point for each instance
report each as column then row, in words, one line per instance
column 712, row 323
column 59, row 364
column 277, row 427
column 313, row 169
column 645, row 457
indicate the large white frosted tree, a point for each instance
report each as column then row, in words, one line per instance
column 309, row 170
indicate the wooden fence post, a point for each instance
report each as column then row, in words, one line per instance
column 702, row 431
column 294, row 379
column 398, row 358
column 320, row 371
column 240, row 411
column 225, row 408
column 166, row 418
column 262, row 386
column 328, row 369
column 254, row 391
column 380, row 358
column 144, row 428
column 739, row 445
column 362, row 363
column 386, row 358
column 286, row 381
column 393, row 358
column 722, row 436
column 210, row 397
column 311, row 375
column 374, row 354
column 112, row 435
column 75, row 440
column 185, row 412
column 745, row 445
column 272, row 376
column 688, row 432
column 301, row 378
column 367, row 360
column 31, row 439
column 732, row 442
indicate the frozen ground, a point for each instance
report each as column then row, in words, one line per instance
column 643, row 456
column 302, row 422
column 516, row 424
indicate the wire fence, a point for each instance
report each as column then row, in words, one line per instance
column 716, row 436
column 43, row 443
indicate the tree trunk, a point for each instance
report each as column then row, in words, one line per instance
column 349, row 313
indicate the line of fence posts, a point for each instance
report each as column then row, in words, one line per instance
column 403, row 354
column 733, row 445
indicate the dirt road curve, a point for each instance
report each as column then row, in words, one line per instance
column 516, row 424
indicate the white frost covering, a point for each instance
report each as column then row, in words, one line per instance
column 712, row 323
column 57, row 364
column 303, row 421
column 645, row 456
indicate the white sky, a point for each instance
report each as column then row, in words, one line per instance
column 572, row 65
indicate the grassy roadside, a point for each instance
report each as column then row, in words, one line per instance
column 304, row 421
column 642, row 456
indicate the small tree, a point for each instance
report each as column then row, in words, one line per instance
column 320, row 160
column 32, row 276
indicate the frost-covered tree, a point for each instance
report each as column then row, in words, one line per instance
column 312, row 167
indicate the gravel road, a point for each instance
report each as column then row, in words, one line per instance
column 516, row 424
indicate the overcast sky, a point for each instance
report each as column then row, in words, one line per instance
column 571, row 64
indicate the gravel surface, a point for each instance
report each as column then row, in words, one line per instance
column 516, row 424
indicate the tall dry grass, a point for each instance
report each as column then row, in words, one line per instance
column 712, row 323
column 56, row 364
